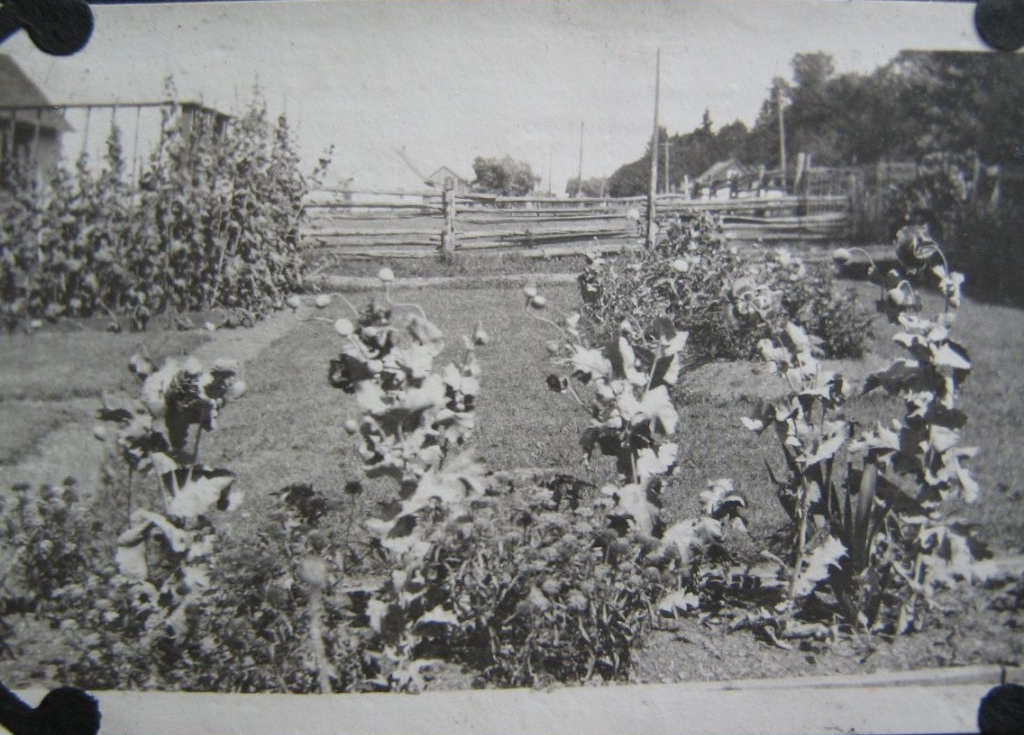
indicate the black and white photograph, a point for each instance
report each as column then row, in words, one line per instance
column 597, row 366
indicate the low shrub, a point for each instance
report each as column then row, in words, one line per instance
column 725, row 300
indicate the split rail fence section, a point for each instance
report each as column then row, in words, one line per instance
column 383, row 224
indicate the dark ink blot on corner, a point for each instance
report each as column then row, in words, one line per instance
column 63, row 711
column 1002, row 710
column 56, row 27
column 1000, row 23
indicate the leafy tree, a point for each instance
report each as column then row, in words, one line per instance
column 504, row 176
column 631, row 179
column 596, row 186
column 963, row 102
column 919, row 104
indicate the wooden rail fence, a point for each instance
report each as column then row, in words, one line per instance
column 376, row 224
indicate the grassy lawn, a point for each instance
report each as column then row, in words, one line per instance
column 57, row 365
column 43, row 373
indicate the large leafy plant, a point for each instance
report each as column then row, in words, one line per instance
column 872, row 540
column 135, row 579
column 414, row 427
column 210, row 223
column 164, row 554
column 633, row 421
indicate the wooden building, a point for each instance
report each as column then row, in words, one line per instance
column 437, row 179
column 31, row 128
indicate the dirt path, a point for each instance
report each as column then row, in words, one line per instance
column 245, row 345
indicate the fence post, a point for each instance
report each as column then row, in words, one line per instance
column 448, row 209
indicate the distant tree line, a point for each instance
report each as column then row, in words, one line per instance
column 917, row 104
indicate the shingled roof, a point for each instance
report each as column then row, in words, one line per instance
column 17, row 90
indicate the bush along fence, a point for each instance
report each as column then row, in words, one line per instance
column 521, row 578
column 210, row 222
column 378, row 224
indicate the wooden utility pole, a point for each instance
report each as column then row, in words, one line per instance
column 782, row 135
column 550, row 192
column 448, row 208
column 652, row 189
column 579, row 176
column 667, row 145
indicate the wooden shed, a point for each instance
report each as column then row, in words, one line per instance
column 30, row 128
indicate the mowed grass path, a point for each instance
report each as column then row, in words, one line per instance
column 289, row 427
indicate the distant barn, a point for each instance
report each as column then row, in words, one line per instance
column 30, row 128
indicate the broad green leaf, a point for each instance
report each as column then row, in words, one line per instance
column 438, row 616
column 131, row 561
column 131, row 544
column 591, row 363
column 677, row 602
column 817, row 564
column 670, row 341
column 650, row 463
column 967, row 483
column 430, row 395
column 370, row 398
column 773, row 354
column 657, row 405
column 196, row 577
column 162, row 463
column 720, row 499
column 634, row 502
column 693, row 535
column 828, row 447
column 903, row 374
column 418, row 359
column 142, row 521
column 943, row 439
column 623, row 361
column 201, row 491
column 798, row 337
column 665, row 370
column 951, row 355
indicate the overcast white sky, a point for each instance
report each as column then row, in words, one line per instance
column 455, row 79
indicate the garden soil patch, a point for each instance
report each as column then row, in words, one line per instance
column 982, row 627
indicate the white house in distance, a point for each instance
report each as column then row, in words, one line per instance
column 438, row 178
